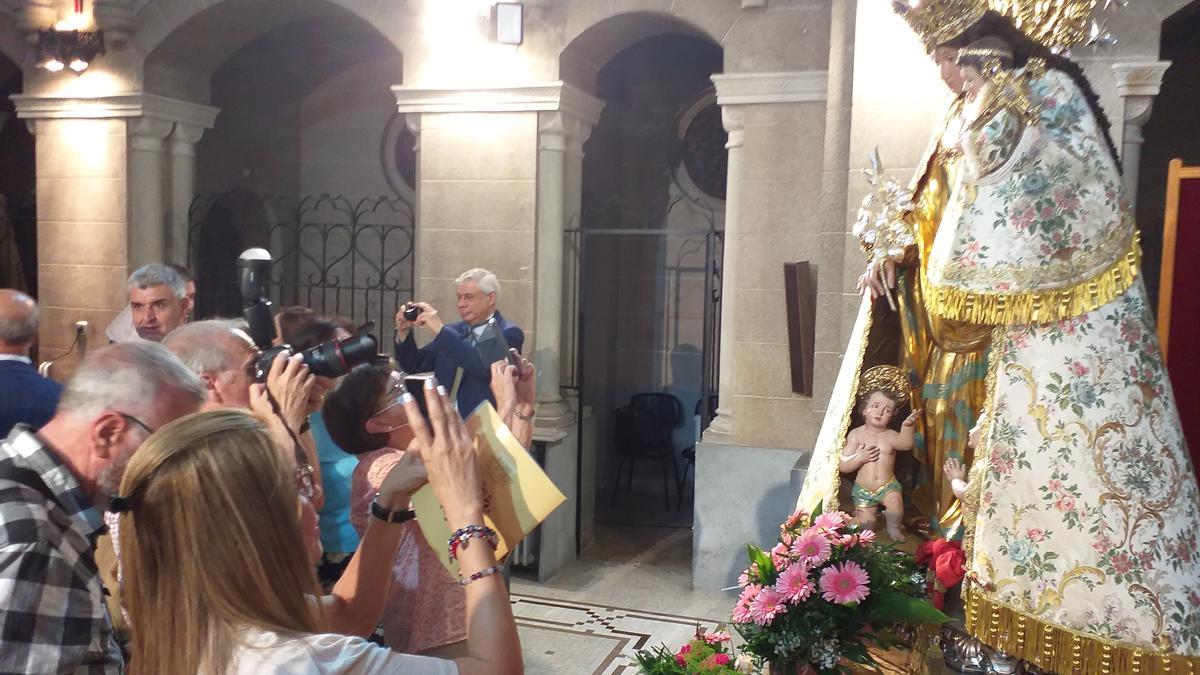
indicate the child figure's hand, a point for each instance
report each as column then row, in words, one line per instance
column 954, row 470
column 912, row 418
column 869, row 454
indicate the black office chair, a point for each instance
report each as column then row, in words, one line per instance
column 644, row 431
column 689, row 453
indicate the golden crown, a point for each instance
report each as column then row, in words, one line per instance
column 939, row 21
column 889, row 379
column 1056, row 24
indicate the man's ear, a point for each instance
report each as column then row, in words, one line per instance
column 376, row 426
column 210, row 383
column 106, row 431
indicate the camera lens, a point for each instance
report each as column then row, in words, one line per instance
column 411, row 312
column 338, row 357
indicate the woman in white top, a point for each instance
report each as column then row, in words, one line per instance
column 219, row 545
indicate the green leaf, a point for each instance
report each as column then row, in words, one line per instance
column 817, row 511
column 858, row 653
column 887, row 606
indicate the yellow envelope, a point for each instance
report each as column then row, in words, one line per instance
column 517, row 493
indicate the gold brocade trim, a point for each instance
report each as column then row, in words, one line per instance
column 1032, row 307
column 975, row 476
column 1060, row 649
column 831, row 501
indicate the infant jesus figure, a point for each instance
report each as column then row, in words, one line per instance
column 871, row 450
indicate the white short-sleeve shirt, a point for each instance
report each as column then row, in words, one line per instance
column 327, row 654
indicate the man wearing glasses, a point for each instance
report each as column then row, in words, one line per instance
column 54, row 484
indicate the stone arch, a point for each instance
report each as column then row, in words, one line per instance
column 183, row 45
column 590, row 47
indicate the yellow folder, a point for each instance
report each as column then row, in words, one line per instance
column 517, row 494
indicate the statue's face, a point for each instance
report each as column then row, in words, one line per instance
column 972, row 80
column 951, row 74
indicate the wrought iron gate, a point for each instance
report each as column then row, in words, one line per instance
column 680, row 263
column 338, row 255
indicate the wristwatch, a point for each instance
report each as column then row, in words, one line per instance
column 400, row 516
column 517, row 412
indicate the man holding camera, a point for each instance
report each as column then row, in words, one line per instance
column 461, row 353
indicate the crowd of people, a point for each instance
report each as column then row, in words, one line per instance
column 172, row 508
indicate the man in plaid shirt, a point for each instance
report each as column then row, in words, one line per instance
column 52, row 484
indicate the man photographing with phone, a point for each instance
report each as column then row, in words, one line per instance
column 469, row 347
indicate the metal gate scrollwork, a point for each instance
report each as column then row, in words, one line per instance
column 340, row 256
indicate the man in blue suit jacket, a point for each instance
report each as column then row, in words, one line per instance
column 460, row 344
column 25, row 396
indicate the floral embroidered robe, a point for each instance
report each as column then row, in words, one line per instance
column 1083, row 511
column 1082, row 515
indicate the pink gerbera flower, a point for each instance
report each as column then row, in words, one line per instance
column 793, row 584
column 811, row 547
column 834, row 520
column 861, row 538
column 741, row 613
column 717, row 637
column 845, row 584
column 767, row 605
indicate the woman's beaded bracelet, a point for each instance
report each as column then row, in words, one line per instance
column 461, row 537
column 485, row 572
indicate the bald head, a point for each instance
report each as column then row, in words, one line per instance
column 219, row 351
column 18, row 322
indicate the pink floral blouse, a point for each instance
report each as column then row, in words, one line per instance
column 426, row 607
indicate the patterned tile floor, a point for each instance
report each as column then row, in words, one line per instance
column 561, row 636
column 630, row 591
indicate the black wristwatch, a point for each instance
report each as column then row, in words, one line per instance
column 401, row 516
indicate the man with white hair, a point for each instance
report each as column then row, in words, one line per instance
column 463, row 346
column 25, row 396
column 158, row 300
column 54, row 484
column 222, row 354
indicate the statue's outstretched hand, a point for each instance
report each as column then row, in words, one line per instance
column 880, row 276
column 912, row 418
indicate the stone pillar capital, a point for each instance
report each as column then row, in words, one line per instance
column 734, row 121
column 148, row 133
column 1137, row 84
column 184, row 139
column 1140, row 79
column 135, row 105
column 534, row 97
column 117, row 19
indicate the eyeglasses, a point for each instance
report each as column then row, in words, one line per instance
column 130, row 418
column 304, row 481
column 394, row 393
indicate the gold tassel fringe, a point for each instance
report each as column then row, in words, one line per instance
column 1059, row 649
column 1033, row 307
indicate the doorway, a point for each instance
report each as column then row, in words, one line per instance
column 648, row 246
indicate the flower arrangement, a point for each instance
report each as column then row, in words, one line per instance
column 705, row 653
column 825, row 591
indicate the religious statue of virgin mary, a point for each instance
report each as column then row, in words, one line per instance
column 1013, row 261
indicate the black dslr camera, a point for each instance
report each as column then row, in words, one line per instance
column 331, row 359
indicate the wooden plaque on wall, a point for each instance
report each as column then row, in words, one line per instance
column 800, row 291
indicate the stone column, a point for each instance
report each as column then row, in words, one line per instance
column 183, row 188
column 734, row 123
column 101, row 189
column 147, row 240
column 573, row 214
column 548, row 301
column 1137, row 84
column 561, row 134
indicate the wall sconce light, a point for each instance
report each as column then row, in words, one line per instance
column 68, row 45
column 507, row 23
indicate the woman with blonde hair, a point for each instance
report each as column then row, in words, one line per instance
column 221, row 543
